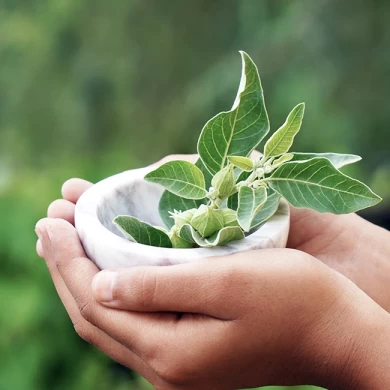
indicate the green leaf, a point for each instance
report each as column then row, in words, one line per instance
column 250, row 202
column 188, row 233
column 239, row 131
column 143, row 233
column 182, row 178
column 207, row 220
column 222, row 237
column 337, row 160
column 268, row 210
column 316, row 184
column 225, row 235
column 244, row 163
column 178, row 242
column 170, row 202
column 282, row 159
column 207, row 175
column 281, row 141
column 232, row 202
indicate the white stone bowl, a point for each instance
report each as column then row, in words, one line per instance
column 128, row 194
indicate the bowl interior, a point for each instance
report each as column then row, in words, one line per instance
column 137, row 198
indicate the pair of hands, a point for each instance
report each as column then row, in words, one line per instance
column 275, row 316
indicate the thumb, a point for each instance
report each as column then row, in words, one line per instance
column 190, row 288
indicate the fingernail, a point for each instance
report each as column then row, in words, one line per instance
column 103, row 285
column 40, row 229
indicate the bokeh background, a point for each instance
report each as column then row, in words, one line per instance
column 89, row 88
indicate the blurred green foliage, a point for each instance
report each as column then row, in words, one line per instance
column 91, row 88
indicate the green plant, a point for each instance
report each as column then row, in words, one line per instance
column 226, row 194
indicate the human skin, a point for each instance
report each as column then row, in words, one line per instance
column 350, row 245
column 257, row 318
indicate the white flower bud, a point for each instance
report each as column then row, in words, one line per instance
column 260, row 172
column 258, row 163
column 258, row 183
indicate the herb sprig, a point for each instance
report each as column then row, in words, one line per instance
column 226, row 194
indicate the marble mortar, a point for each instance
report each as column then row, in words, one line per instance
column 128, row 194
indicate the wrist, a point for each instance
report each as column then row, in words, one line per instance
column 355, row 349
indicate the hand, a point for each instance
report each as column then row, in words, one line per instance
column 238, row 335
column 349, row 244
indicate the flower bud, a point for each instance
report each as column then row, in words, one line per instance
column 229, row 217
column 260, row 172
column 224, row 181
column 207, row 221
column 181, row 218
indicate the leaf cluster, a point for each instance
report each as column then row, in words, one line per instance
column 226, row 194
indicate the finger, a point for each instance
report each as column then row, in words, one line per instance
column 74, row 188
column 138, row 331
column 306, row 224
column 191, row 288
column 63, row 209
column 90, row 333
column 256, row 154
